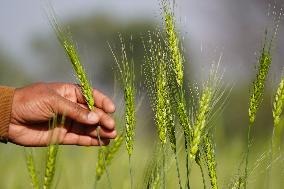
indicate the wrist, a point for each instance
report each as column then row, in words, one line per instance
column 6, row 101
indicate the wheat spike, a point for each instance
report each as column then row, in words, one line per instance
column 32, row 170
column 106, row 155
column 210, row 161
column 50, row 166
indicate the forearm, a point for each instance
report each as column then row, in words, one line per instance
column 6, row 99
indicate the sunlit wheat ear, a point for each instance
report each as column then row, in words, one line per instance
column 126, row 72
column 206, row 103
column 264, row 63
column 259, row 83
column 258, row 86
column 209, row 151
column 106, row 155
column 176, row 59
column 66, row 41
column 173, row 43
column 30, row 163
column 156, row 82
column 278, row 106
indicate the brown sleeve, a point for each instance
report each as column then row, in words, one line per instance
column 6, row 99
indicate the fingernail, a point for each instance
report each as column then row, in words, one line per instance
column 93, row 117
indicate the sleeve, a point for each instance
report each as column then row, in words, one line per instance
column 6, row 100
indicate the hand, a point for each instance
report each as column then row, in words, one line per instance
column 34, row 106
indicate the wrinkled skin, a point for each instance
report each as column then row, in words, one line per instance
column 34, row 106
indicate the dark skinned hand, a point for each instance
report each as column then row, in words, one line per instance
column 34, row 106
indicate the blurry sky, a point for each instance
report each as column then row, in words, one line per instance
column 232, row 27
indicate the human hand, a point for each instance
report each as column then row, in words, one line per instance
column 34, row 106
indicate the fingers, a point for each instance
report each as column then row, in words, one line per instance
column 82, row 140
column 104, row 134
column 82, row 115
column 105, row 120
column 74, row 111
column 101, row 101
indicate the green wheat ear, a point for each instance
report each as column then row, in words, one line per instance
column 259, row 82
column 66, row 41
column 32, row 170
column 173, row 43
column 50, row 166
column 257, row 90
column 210, row 96
column 127, row 76
column 106, row 155
column 210, row 161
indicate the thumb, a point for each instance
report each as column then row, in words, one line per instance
column 75, row 111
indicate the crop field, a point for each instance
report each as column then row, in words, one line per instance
column 172, row 129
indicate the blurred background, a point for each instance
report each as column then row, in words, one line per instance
column 30, row 52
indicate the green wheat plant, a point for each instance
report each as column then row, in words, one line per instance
column 210, row 95
column 158, row 85
column 209, row 151
column 106, row 155
column 51, row 159
column 127, row 77
column 256, row 94
column 51, row 156
column 50, row 166
column 177, row 67
column 30, row 164
column 66, row 41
